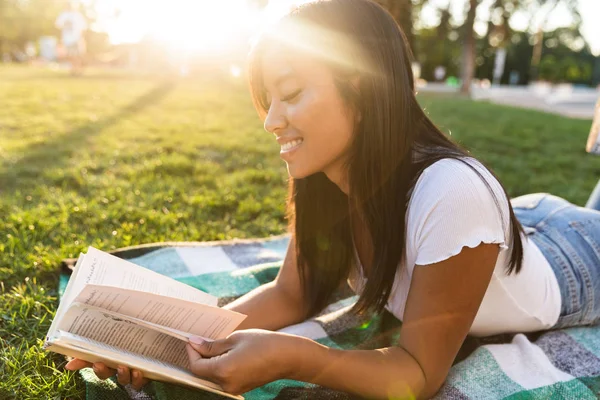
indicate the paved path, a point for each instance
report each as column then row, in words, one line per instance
column 561, row 99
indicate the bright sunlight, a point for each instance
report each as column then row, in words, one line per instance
column 192, row 26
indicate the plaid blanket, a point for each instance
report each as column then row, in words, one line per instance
column 560, row 364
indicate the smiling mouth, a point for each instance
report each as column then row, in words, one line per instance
column 291, row 145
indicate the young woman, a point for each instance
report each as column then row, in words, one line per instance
column 379, row 197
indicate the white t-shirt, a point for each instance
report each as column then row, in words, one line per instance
column 450, row 208
column 72, row 24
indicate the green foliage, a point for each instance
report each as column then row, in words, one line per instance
column 562, row 60
column 560, row 63
column 112, row 160
column 549, row 68
column 439, row 47
column 21, row 21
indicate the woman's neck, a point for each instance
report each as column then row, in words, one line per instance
column 338, row 175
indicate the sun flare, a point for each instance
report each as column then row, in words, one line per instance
column 191, row 26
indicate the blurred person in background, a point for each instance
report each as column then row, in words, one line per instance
column 72, row 25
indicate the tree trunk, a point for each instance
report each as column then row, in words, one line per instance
column 444, row 27
column 537, row 55
column 402, row 11
column 468, row 56
column 490, row 25
column 538, row 47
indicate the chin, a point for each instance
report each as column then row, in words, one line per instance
column 298, row 173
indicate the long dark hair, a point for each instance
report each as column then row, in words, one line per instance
column 393, row 142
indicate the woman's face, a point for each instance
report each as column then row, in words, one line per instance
column 310, row 120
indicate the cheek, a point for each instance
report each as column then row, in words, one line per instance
column 305, row 116
column 320, row 115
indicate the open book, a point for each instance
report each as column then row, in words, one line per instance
column 122, row 314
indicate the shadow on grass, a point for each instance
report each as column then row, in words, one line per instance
column 56, row 152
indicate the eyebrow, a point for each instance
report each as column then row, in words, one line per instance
column 283, row 77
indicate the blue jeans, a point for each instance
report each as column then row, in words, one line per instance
column 569, row 238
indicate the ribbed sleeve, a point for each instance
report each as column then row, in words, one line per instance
column 452, row 207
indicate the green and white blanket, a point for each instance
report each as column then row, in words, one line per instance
column 561, row 364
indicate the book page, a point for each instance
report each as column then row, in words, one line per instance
column 63, row 305
column 101, row 268
column 92, row 351
column 106, row 269
column 181, row 315
column 183, row 336
column 92, row 323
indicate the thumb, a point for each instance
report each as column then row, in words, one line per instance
column 202, row 367
column 209, row 348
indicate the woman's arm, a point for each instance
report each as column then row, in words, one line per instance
column 442, row 303
column 276, row 304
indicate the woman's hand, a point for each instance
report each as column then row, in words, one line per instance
column 245, row 359
column 124, row 375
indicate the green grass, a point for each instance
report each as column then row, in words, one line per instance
column 112, row 160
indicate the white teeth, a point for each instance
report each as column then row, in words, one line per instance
column 289, row 145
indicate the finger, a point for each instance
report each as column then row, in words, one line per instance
column 76, row 364
column 210, row 348
column 123, row 375
column 102, row 371
column 138, row 379
column 198, row 365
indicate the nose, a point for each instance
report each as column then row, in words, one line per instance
column 276, row 119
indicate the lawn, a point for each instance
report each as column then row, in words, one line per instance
column 112, row 160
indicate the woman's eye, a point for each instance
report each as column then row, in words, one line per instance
column 291, row 96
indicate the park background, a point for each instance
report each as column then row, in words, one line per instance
column 157, row 140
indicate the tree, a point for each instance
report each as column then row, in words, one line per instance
column 567, row 58
column 475, row 56
column 496, row 39
column 468, row 56
column 22, row 21
column 26, row 20
column 402, row 11
column 545, row 8
column 405, row 13
column 499, row 32
column 439, row 46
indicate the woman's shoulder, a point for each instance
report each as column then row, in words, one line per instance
column 450, row 165
column 451, row 184
column 448, row 173
column 455, row 202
